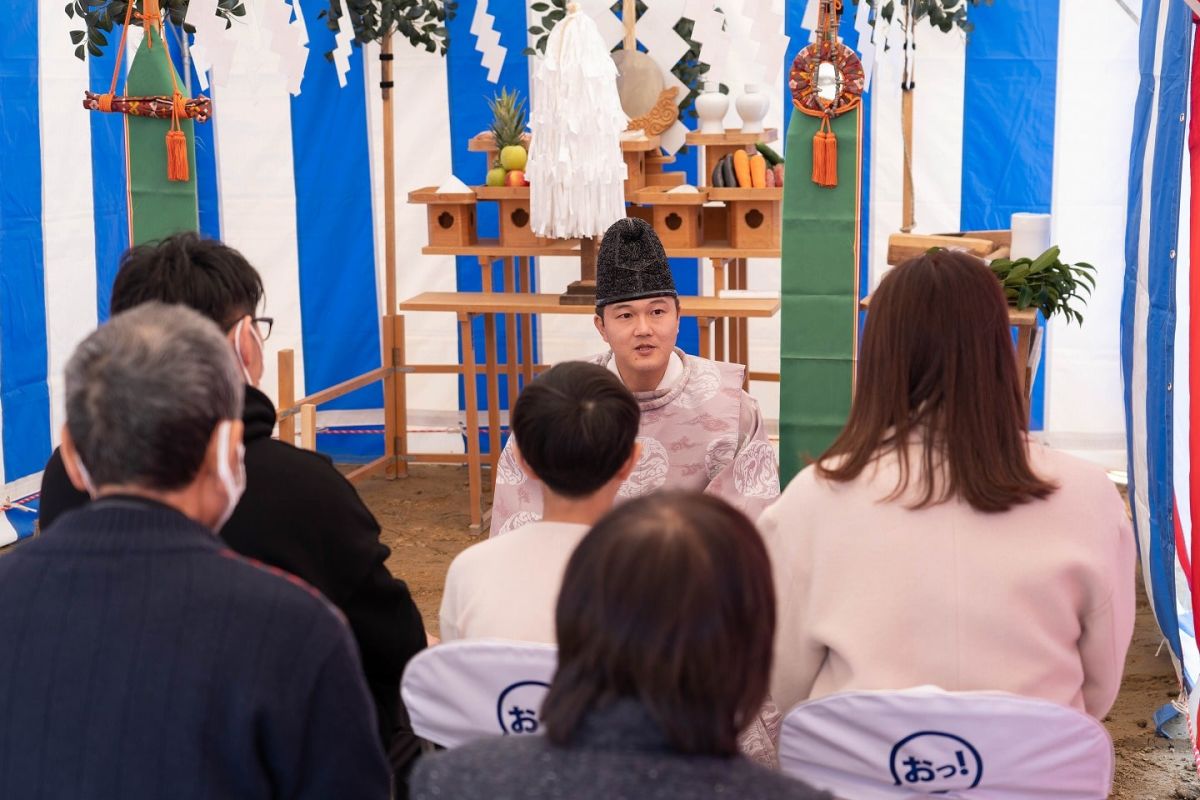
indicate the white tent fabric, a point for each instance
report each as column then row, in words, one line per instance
column 295, row 182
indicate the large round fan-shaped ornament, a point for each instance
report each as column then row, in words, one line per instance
column 826, row 79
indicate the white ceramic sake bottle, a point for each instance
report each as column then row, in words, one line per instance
column 752, row 106
column 711, row 106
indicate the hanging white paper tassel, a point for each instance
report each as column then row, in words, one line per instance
column 576, row 170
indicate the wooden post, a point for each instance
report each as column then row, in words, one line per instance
column 401, row 396
column 389, row 397
column 308, row 426
column 719, row 283
column 583, row 291
column 491, row 369
column 389, row 174
column 587, row 260
column 525, row 266
column 744, row 323
column 485, row 274
column 470, row 396
column 395, row 418
column 906, row 111
column 287, row 394
column 629, row 20
column 511, row 328
column 907, row 86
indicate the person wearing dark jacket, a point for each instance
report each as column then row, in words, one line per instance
column 142, row 657
column 298, row 513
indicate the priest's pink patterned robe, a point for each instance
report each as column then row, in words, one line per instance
column 702, row 432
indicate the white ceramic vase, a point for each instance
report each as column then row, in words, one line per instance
column 711, row 107
column 752, row 107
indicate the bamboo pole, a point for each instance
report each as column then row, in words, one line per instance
column 906, row 112
column 389, row 174
column 390, row 428
column 908, row 85
column 287, row 394
column 401, row 396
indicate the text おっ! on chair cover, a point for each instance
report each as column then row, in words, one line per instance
column 926, row 741
column 461, row 691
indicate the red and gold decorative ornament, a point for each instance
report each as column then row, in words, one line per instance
column 826, row 80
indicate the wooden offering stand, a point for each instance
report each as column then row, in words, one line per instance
column 724, row 226
column 753, row 217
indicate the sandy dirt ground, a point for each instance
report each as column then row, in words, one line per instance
column 424, row 519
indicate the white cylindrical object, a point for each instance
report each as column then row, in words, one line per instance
column 711, row 107
column 1030, row 235
column 752, row 107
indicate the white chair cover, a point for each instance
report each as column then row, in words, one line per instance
column 926, row 741
column 465, row 690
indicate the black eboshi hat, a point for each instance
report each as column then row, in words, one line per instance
column 632, row 264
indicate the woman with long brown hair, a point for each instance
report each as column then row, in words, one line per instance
column 934, row 542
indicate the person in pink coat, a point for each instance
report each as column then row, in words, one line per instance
column 934, row 542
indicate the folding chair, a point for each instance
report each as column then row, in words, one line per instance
column 465, row 690
column 885, row 745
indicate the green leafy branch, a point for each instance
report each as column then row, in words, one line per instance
column 1046, row 283
column 99, row 16
column 422, row 22
column 945, row 15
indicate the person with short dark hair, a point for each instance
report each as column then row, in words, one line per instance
column 664, row 625
column 700, row 430
column 299, row 513
column 574, row 428
column 934, row 542
column 141, row 657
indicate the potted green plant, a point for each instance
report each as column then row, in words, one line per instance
column 1046, row 283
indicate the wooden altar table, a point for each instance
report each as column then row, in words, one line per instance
column 468, row 305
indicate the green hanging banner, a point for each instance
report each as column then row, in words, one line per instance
column 158, row 206
column 818, row 340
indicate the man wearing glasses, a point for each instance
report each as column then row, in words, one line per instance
column 298, row 513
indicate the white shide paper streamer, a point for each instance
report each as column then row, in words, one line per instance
column 487, row 41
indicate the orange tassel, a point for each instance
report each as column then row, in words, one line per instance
column 825, row 156
column 177, row 156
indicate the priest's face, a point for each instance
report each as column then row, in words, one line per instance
column 642, row 336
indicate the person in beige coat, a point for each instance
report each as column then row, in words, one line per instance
column 933, row 543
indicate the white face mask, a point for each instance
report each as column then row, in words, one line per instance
column 237, row 346
column 87, row 478
column 234, row 482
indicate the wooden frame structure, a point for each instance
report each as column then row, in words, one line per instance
column 723, row 322
column 466, row 307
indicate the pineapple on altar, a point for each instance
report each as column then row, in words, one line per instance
column 508, row 153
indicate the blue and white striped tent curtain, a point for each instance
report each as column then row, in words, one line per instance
column 1157, row 331
column 1032, row 115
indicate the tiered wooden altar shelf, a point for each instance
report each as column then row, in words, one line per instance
column 745, row 225
column 570, row 247
column 752, row 224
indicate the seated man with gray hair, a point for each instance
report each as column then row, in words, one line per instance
column 141, row 657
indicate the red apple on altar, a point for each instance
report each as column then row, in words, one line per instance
column 515, row 177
